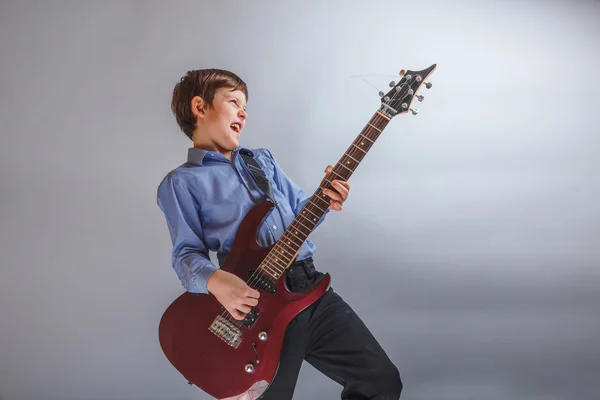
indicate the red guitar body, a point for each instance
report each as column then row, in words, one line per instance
column 214, row 363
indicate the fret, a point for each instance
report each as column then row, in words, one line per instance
column 274, row 258
column 374, row 127
column 308, row 209
column 263, row 269
column 273, row 267
column 383, row 115
column 293, row 236
column 354, row 154
column 299, row 229
column 359, row 148
column 275, row 261
column 313, row 209
column 366, row 137
column 346, row 167
column 343, row 177
column 274, row 276
column 325, row 187
column 311, row 220
column 310, row 201
column 286, row 244
column 363, row 145
column 298, row 237
column 298, row 221
column 291, row 246
column 283, row 249
column 348, row 155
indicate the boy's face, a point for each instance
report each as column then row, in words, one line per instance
column 219, row 128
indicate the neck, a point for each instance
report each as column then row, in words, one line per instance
column 214, row 148
column 288, row 246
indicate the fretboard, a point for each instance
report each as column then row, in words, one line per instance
column 285, row 249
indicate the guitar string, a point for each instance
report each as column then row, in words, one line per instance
column 257, row 274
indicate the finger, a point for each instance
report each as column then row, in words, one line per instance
column 243, row 308
column 343, row 183
column 251, row 302
column 236, row 314
column 333, row 194
column 328, row 169
column 341, row 189
column 253, row 293
column 335, row 205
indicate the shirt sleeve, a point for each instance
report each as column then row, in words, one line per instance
column 190, row 256
column 291, row 190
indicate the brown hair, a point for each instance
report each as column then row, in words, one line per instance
column 203, row 83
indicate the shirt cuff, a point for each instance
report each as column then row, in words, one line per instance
column 201, row 280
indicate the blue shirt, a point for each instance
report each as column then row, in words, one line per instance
column 204, row 201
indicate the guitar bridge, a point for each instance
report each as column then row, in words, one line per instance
column 227, row 331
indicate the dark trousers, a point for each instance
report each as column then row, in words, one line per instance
column 334, row 340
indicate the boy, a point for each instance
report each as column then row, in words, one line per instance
column 204, row 201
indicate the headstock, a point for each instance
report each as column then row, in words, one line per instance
column 399, row 99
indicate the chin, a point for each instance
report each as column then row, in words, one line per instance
column 230, row 146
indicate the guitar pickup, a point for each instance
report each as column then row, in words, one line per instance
column 251, row 317
column 261, row 282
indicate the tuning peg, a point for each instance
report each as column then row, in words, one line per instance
column 402, row 72
column 381, row 94
column 392, row 84
column 428, row 85
column 414, row 111
column 420, row 97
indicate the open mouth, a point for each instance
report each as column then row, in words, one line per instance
column 236, row 127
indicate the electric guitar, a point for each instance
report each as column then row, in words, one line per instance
column 238, row 359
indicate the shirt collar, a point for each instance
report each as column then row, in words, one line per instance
column 197, row 155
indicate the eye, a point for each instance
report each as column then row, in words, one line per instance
column 234, row 102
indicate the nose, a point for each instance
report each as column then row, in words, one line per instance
column 242, row 114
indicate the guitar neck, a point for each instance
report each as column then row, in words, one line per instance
column 288, row 246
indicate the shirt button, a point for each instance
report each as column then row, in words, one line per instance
column 274, row 226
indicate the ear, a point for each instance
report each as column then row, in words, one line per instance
column 198, row 106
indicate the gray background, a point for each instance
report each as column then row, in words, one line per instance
column 469, row 244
